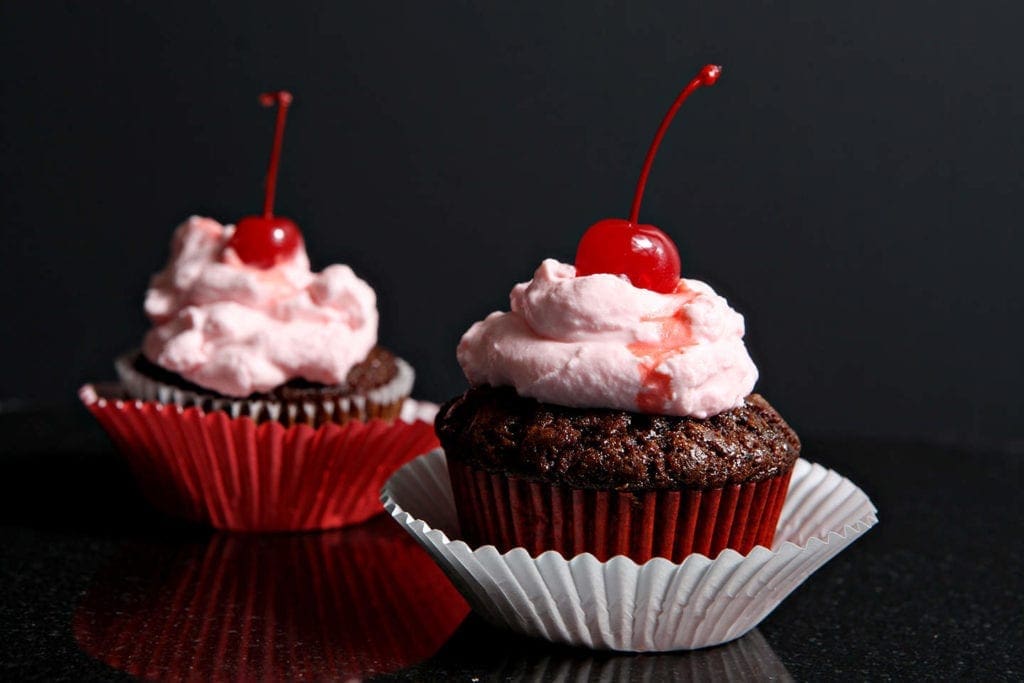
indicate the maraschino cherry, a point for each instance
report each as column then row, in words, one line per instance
column 642, row 253
column 263, row 241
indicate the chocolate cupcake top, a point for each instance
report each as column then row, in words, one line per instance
column 497, row 430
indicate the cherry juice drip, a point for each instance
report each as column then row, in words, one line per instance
column 676, row 331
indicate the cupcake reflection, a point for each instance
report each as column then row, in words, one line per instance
column 749, row 658
column 350, row 603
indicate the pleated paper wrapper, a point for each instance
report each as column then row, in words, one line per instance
column 511, row 512
column 236, row 474
column 618, row 604
column 245, row 607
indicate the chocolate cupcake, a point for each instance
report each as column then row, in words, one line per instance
column 260, row 400
column 622, row 470
column 609, row 478
column 611, row 419
column 611, row 410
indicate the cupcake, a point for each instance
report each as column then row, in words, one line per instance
column 611, row 409
column 259, row 399
column 610, row 480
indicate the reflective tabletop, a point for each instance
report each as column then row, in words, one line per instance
column 96, row 585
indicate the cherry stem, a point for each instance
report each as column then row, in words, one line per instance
column 707, row 76
column 283, row 99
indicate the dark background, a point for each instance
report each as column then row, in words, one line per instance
column 852, row 183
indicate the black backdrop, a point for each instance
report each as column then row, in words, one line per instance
column 852, row 184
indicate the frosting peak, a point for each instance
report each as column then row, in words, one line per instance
column 240, row 330
column 599, row 342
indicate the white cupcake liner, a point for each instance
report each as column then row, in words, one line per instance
column 658, row 606
column 139, row 386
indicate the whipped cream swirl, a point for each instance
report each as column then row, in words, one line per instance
column 599, row 342
column 238, row 330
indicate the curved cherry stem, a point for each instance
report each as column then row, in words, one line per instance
column 707, row 76
column 283, row 99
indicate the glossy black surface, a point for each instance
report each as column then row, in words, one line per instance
column 94, row 585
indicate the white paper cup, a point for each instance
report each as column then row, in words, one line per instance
column 619, row 605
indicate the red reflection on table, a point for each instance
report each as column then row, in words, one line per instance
column 349, row 603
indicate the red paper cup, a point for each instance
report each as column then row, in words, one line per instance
column 510, row 512
column 358, row 602
column 235, row 474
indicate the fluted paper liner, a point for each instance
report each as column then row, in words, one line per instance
column 618, row 604
column 242, row 607
column 236, row 474
column 511, row 512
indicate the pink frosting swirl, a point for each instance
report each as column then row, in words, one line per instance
column 599, row 342
column 239, row 330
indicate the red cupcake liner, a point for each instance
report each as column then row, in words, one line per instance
column 235, row 474
column 345, row 604
column 510, row 512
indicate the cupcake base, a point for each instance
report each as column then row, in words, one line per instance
column 237, row 474
column 510, row 512
column 618, row 604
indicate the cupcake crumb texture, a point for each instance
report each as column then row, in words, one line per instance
column 499, row 431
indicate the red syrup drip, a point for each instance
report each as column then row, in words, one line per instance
column 264, row 241
column 642, row 253
column 676, row 332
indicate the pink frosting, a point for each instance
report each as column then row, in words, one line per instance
column 599, row 342
column 237, row 330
